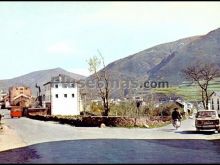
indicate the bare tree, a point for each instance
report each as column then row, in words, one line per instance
column 102, row 80
column 202, row 74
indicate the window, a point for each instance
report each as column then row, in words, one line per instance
column 218, row 103
column 72, row 85
column 64, row 85
column 56, row 95
column 65, row 95
column 212, row 104
column 56, row 85
column 73, row 95
column 205, row 114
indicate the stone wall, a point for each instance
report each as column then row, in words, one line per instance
column 96, row 121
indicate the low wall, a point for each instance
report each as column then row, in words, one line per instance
column 37, row 111
column 96, row 121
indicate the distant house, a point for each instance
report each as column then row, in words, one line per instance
column 2, row 95
column 97, row 101
column 168, row 99
column 2, row 100
column 5, row 102
column 214, row 100
column 20, row 96
column 62, row 94
column 187, row 107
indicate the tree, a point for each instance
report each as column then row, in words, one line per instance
column 202, row 74
column 102, row 80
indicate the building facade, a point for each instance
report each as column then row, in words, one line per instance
column 215, row 101
column 62, row 94
column 20, row 96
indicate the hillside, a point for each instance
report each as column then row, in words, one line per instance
column 39, row 77
column 148, row 61
column 164, row 62
column 205, row 48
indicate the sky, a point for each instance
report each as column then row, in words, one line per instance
column 45, row 35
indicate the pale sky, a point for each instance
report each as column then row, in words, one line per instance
column 45, row 35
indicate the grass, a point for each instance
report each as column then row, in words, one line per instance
column 189, row 92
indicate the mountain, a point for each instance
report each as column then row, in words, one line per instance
column 39, row 77
column 165, row 61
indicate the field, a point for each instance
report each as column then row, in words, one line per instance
column 190, row 92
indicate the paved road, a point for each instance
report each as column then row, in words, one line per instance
column 50, row 142
column 116, row 151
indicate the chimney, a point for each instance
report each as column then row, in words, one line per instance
column 60, row 78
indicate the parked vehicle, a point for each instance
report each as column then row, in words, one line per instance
column 16, row 111
column 207, row 120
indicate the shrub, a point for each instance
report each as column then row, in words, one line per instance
column 123, row 109
column 96, row 108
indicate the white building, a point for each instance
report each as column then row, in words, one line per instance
column 187, row 107
column 63, row 96
column 214, row 100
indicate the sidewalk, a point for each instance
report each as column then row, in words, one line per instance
column 9, row 139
